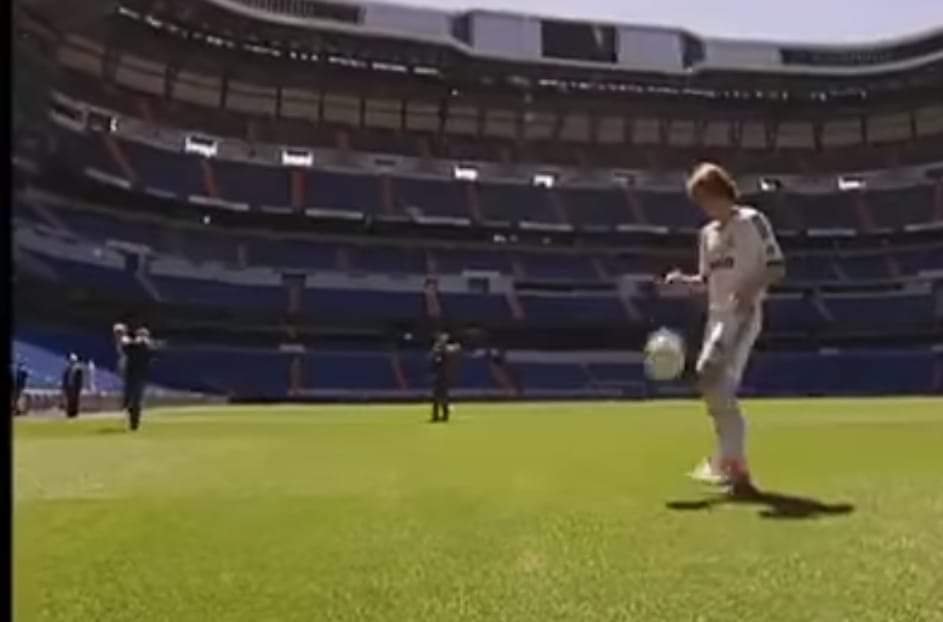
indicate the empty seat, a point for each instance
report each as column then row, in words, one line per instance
column 596, row 207
column 254, row 184
column 897, row 208
column 828, row 211
column 671, row 209
column 343, row 191
column 515, row 203
column 174, row 172
column 431, row 197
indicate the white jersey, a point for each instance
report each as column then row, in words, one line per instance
column 733, row 253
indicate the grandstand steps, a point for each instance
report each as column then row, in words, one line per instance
column 514, row 303
column 556, row 204
column 144, row 108
column 44, row 214
column 600, row 269
column 789, row 214
column 242, row 254
column 342, row 257
column 893, row 266
column 631, row 311
column 209, row 179
column 119, row 158
column 344, row 155
column 635, row 206
column 295, row 374
column 819, row 303
column 503, row 378
column 32, row 264
column 431, row 265
column 839, row 271
column 143, row 278
column 387, row 194
column 865, row 218
column 518, row 268
column 396, row 364
column 425, row 151
column 293, row 287
column 433, row 304
column 473, row 204
column 297, row 181
column 938, row 199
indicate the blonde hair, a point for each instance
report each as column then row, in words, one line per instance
column 713, row 179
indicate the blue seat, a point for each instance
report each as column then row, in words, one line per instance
column 596, row 207
column 178, row 173
column 431, row 197
column 515, row 203
column 896, row 208
column 254, row 184
column 670, row 209
column 343, row 191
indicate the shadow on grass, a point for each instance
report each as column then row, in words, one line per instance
column 106, row 431
column 775, row 505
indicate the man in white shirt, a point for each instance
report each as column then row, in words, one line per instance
column 739, row 258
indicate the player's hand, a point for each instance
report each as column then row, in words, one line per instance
column 675, row 276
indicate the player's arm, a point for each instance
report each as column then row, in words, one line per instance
column 770, row 266
column 692, row 280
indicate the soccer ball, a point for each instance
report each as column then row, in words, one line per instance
column 664, row 355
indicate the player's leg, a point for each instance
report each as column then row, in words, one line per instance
column 709, row 470
column 436, row 401
column 721, row 396
column 135, row 397
column 726, row 347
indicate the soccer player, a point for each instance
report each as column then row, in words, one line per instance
column 441, row 359
column 20, row 378
column 739, row 258
column 137, row 352
column 120, row 331
column 72, row 386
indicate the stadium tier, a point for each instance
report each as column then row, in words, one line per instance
column 360, row 374
column 376, row 192
column 360, row 284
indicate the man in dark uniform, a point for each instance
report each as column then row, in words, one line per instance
column 20, row 377
column 120, row 331
column 137, row 351
column 441, row 359
column 72, row 386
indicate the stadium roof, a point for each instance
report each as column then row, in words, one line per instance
column 871, row 22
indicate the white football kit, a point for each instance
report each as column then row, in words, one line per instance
column 730, row 255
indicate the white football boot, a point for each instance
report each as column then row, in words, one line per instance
column 705, row 473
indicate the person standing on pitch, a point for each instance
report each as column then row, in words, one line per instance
column 739, row 259
column 137, row 352
column 120, row 331
column 72, row 386
column 441, row 358
column 20, row 378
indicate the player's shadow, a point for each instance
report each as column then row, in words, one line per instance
column 108, row 431
column 775, row 505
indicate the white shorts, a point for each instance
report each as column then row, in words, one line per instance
column 728, row 340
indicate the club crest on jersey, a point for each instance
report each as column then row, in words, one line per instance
column 724, row 263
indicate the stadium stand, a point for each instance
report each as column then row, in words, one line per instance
column 185, row 203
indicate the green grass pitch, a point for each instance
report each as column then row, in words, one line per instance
column 516, row 512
